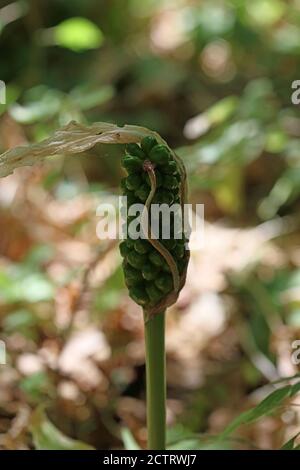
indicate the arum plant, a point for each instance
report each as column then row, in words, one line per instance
column 154, row 267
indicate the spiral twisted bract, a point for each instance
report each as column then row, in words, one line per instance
column 147, row 273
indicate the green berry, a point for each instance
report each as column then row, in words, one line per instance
column 139, row 295
column 167, row 197
column 178, row 177
column 160, row 155
column 132, row 275
column 124, row 248
column 170, row 168
column 130, row 243
column 148, row 143
column 163, row 196
column 136, row 260
column 150, row 272
column 181, row 263
column 165, row 267
column 143, row 192
column 142, row 246
column 170, row 182
column 158, row 176
column 178, row 251
column 182, row 240
column 123, row 185
column 133, row 181
column 156, row 258
column 131, row 163
column 153, row 292
column 169, row 244
column 164, row 283
column 159, row 179
column 135, row 150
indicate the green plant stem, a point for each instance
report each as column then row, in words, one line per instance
column 156, row 381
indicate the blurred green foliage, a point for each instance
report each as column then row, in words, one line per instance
column 213, row 77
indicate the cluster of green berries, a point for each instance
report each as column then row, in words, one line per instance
column 146, row 271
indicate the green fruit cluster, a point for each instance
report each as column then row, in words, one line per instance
column 146, row 271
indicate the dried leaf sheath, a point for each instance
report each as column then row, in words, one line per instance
column 71, row 139
column 154, row 242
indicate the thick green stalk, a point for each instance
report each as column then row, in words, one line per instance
column 156, row 381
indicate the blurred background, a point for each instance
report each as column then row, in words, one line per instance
column 214, row 78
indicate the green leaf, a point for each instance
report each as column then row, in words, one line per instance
column 276, row 141
column 266, row 12
column 290, row 445
column 178, row 433
column 285, row 379
column 222, row 110
column 19, row 320
column 285, row 191
column 295, row 389
column 229, row 191
column 47, row 437
column 128, row 440
column 270, row 403
column 36, row 288
column 85, row 98
column 211, row 117
column 12, row 93
column 179, row 438
column 286, row 39
column 43, row 107
column 260, row 330
column 36, row 386
column 17, row 284
column 108, row 297
column 39, row 255
column 187, row 444
column 78, row 34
